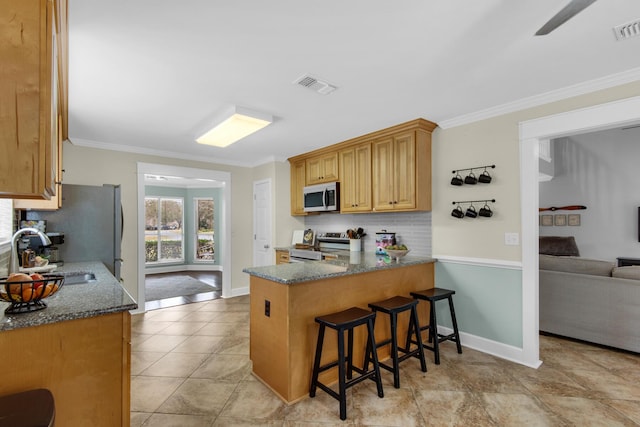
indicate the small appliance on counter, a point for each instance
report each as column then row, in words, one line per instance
column 384, row 238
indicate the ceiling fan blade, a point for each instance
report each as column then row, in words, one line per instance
column 569, row 11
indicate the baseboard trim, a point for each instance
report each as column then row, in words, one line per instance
column 236, row 292
column 503, row 351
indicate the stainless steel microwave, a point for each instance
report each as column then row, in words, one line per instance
column 321, row 197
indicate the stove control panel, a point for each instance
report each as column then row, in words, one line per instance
column 332, row 236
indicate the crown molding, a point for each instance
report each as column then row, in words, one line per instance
column 545, row 98
column 80, row 142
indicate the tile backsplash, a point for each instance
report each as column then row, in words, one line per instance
column 412, row 228
column 5, row 253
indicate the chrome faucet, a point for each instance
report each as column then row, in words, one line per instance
column 13, row 263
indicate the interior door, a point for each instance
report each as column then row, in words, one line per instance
column 262, row 251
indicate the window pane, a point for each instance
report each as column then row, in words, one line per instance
column 150, row 229
column 205, row 245
column 171, row 229
column 163, row 233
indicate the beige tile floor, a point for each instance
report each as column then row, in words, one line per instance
column 191, row 367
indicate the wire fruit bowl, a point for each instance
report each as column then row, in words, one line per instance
column 396, row 253
column 26, row 295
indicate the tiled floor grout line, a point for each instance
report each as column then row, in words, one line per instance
column 485, row 386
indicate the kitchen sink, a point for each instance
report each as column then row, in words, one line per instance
column 79, row 278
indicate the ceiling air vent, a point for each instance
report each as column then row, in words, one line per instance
column 317, row 85
column 628, row 30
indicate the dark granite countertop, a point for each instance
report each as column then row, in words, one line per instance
column 346, row 263
column 75, row 301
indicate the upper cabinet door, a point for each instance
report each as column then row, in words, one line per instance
column 404, row 166
column 355, row 179
column 382, row 177
column 322, row 168
column 30, row 98
column 297, row 185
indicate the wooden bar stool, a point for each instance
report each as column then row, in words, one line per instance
column 33, row 408
column 433, row 295
column 342, row 321
column 392, row 307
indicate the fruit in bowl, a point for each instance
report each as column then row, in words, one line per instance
column 25, row 291
column 396, row 251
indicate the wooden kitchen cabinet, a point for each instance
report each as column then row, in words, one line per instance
column 394, row 173
column 323, row 168
column 33, row 96
column 384, row 171
column 298, row 177
column 86, row 363
column 282, row 257
column 355, row 175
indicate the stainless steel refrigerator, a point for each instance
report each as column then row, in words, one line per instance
column 91, row 219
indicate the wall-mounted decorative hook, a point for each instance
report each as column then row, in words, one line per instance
column 475, row 201
column 471, row 211
column 471, row 178
column 471, row 169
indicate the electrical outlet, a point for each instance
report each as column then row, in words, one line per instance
column 511, row 239
column 267, row 308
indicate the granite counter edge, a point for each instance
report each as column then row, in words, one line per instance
column 329, row 275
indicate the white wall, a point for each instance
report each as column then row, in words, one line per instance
column 598, row 170
column 94, row 167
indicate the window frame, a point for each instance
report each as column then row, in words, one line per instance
column 158, row 231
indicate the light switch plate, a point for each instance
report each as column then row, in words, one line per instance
column 511, row 239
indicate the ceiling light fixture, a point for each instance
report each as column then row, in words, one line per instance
column 235, row 124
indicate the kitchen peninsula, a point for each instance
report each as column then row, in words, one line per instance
column 78, row 347
column 286, row 298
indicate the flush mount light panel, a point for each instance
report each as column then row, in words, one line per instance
column 236, row 124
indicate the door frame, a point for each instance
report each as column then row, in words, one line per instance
column 255, row 217
column 225, row 230
column 599, row 117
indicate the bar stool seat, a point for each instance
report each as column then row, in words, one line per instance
column 392, row 307
column 433, row 295
column 342, row 321
column 32, row 408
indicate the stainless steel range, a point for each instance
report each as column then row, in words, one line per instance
column 326, row 244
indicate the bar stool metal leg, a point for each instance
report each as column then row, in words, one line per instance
column 416, row 331
column 342, row 389
column 433, row 332
column 455, row 325
column 316, row 363
column 374, row 355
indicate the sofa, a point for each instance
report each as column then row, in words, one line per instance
column 587, row 299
